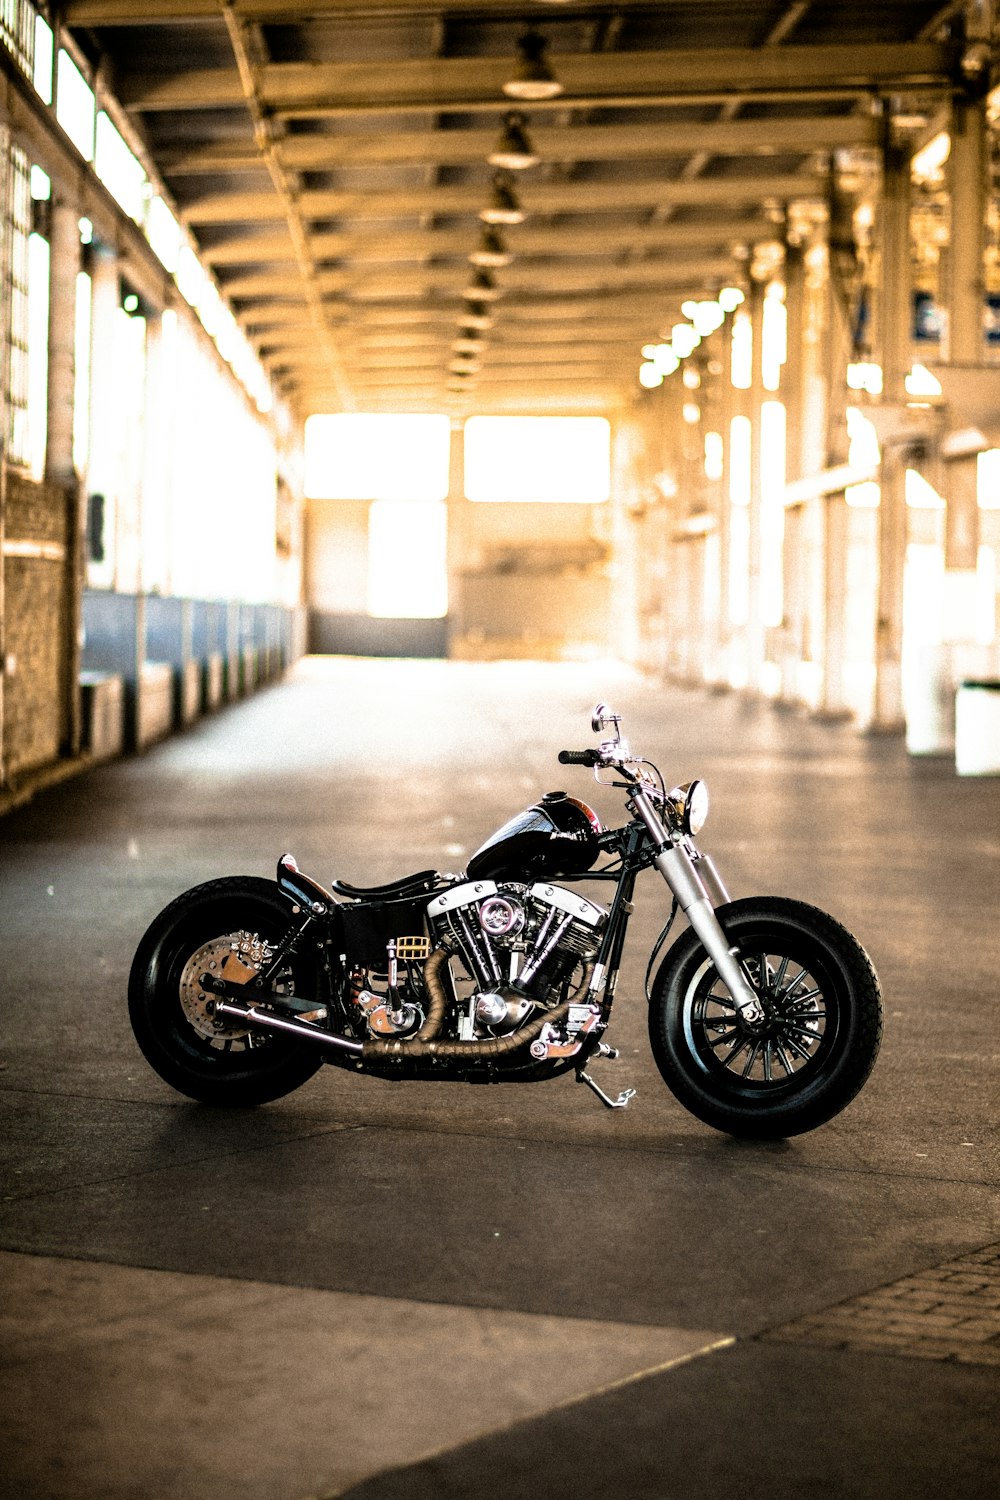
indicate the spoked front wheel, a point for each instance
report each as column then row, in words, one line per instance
column 815, row 1047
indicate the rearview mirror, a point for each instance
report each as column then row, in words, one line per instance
column 604, row 718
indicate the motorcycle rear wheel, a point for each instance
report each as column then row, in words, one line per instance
column 814, row 1051
column 167, row 1009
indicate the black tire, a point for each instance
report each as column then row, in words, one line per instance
column 168, row 1017
column 813, row 1053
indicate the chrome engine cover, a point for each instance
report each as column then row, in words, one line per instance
column 510, row 937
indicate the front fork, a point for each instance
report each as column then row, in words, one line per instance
column 697, row 896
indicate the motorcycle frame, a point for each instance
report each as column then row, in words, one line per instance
column 645, row 842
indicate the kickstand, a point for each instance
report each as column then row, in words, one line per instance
column 620, row 1103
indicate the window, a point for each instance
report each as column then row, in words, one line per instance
column 119, row 169
column 41, row 74
column 17, row 32
column 407, row 559
column 27, row 308
column 163, row 233
column 75, row 106
column 366, row 456
column 551, row 459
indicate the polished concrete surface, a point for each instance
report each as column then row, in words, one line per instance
column 416, row 1290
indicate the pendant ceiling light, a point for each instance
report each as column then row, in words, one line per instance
column 476, row 316
column 533, row 78
column 514, row 149
column 482, row 286
column 491, row 250
column 503, row 207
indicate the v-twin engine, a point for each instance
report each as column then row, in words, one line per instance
column 522, row 946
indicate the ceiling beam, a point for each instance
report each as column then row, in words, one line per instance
column 649, row 305
column 435, row 336
column 156, row 12
column 553, row 197
column 569, row 143
column 358, row 362
column 569, row 239
column 589, row 79
column 570, row 277
column 246, row 45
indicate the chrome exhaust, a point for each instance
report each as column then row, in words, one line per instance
column 267, row 1021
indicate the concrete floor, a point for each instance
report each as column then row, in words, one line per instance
column 417, row 1290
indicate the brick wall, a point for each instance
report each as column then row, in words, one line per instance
column 38, row 629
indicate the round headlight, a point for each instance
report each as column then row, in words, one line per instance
column 695, row 807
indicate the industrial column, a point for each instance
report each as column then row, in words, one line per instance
column 755, row 636
column 792, row 648
column 64, row 267
column 894, row 315
column 965, row 301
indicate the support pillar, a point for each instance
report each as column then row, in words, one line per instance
column 455, row 543
column 965, row 295
column 727, row 410
column 156, row 557
column 794, row 551
column 833, row 703
column 755, row 624
column 4, row 253
column 967, row 185
column 64, row 267
column 105, row 419
column 894, row 302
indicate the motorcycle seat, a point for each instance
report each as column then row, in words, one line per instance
column 410, row 885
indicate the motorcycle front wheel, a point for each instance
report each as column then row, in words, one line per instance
column 230, row 927
column 816, row 1045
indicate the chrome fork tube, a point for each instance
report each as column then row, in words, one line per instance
column 681, row 874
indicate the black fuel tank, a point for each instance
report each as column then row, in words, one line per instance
column 557, row 836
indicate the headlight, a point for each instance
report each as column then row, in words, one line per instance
column 690, row 805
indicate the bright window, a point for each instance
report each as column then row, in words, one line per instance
column 774, row 336
column 772, row 510
column 366, row 456
column 740, row 451
column 163, row 233
column 741, row 352
column 75, row 106
column 41, row 73
column 557, row 459
column 988, row 479
column 407, row 559
column 119, row 169
column 190, row 276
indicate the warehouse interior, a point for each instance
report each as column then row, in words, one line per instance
column 553, row 330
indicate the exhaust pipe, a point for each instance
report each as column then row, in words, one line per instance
column 266, row 1021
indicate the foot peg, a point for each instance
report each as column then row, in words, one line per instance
column 620, row 1103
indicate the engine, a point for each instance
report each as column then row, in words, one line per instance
column 523, row 948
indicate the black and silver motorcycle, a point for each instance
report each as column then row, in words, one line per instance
column 765, row 1016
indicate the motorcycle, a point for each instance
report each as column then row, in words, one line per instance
column 765, row 1015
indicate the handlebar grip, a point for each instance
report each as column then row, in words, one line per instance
column 578, row 758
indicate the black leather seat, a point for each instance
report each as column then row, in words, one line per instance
column 411, row 885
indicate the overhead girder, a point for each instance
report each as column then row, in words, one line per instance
column 569, row 239
column 320, row 272
column 561, row 143
column 575, row 276
column 589, row 80
column 559, row 197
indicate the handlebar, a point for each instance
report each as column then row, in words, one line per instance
column 579, row 758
